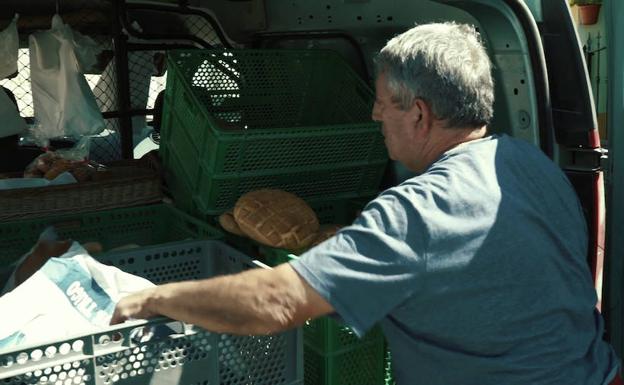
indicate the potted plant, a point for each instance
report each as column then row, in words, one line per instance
column 588, row 10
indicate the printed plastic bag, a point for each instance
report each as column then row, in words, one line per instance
column 63, row 101
column 65, row 177
column 70, row 295
column 11, row 123
column 9, row 46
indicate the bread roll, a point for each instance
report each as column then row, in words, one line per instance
column 227, row 222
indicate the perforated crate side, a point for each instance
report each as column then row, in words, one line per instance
column 48, row 363
column 388, row 375
column 361, row 365
column 264, row 118
column 141, row 225
column 261, row 360
column 112, row 356
column 221, row 193
column 329, row 336
column 184, row 359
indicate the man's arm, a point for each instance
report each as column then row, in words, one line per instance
column 257, row 301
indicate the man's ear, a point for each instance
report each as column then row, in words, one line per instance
column 422, row 116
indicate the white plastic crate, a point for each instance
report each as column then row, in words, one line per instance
column 193, row 356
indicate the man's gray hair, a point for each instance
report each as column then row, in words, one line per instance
column 444, row 64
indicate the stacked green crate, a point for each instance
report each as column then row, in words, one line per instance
column 133, row 226
column 333, row 354
column 239, row 120
column 388, row 376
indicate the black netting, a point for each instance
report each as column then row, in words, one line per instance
column 145, row 81
column 189, row 27
column 106, row 146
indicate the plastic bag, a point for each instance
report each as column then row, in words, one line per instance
column 9, row 46
column 11, row 121
column 52, row 164
column 63, row 101
column 70, row 295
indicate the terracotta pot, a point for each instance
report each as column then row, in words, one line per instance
column 588, row 14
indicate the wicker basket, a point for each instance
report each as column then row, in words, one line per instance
column 125, row 183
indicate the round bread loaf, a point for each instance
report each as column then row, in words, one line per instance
column 276, row 218
column 325, row 232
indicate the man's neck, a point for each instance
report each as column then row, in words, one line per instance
column 443, row 139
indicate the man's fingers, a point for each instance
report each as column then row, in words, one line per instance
column 117, row 318
column 123, row 311
column 133, row 306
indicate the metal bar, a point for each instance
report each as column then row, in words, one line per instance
column 131, row 112
column 157, row 47
column 613, row 308
column 316, row 34
column 123, row 82
column 160, row 36
column 180, row 9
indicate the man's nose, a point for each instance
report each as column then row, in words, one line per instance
column 376, row 113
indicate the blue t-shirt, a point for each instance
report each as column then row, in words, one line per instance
column 476, row 270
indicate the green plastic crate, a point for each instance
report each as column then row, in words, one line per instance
column 142, row 225
column 327, row 336
column 388, row 375
column 239, row 120
column 360, row 365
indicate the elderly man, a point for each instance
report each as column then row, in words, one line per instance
column 475, row 268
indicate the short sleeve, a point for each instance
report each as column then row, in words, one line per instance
column 372, row 266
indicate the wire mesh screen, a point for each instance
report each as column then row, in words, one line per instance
column 20, row 84
column 146, row 75
column 201, row 28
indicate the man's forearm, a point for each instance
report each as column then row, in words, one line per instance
column 257, row 301
column 253, row 302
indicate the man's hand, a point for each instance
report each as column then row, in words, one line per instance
column 134, row 306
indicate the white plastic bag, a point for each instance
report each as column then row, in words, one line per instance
column 11, row 122
column 70, row 295
column 9, row 46
column 63, row 101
